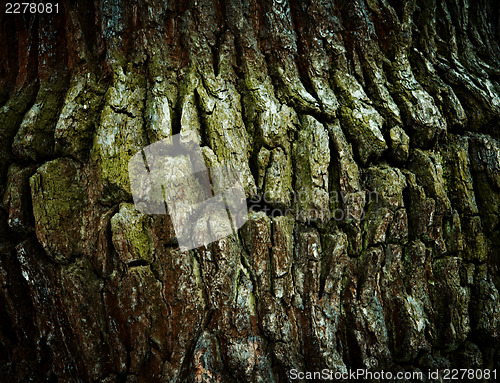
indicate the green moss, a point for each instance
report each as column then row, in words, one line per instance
column 60, row 203
column 311, row 154
column 476, row 246
column 131, row 234
column 278, row 179
column 226, row 133
column 120, row 133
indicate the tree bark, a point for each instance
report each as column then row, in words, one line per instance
column 368, row 130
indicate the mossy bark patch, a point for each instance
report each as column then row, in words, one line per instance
column 121, row 132
column 60, row 205
column 132, row 236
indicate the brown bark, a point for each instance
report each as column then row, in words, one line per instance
column 374, row 123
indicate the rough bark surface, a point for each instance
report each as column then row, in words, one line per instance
column 391, row 106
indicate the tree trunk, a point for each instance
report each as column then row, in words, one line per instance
column 366, row 135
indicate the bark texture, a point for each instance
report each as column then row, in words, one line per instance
column 391, row 106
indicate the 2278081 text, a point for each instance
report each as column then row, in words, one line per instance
column 31, row 8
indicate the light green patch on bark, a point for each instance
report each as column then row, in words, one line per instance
column 225, row 130
column 60, row 203
column 158, row 113
column 278, row 179
column 121, row 132
column 311, row 161
column 131, row 234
